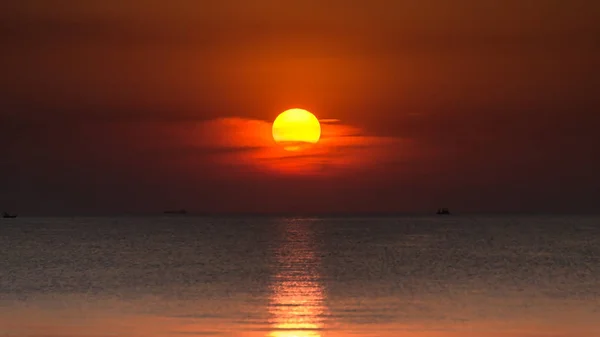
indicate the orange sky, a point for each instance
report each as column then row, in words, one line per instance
column 475, row 105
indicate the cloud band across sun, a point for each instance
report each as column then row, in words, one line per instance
column 246, row 144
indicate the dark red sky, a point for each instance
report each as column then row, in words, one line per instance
column 138, row 106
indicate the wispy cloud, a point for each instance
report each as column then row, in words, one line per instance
column 244, row 143
column 329, row 121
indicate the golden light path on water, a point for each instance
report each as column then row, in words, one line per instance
column 297, row 295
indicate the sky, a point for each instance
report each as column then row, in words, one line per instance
column 138, row 106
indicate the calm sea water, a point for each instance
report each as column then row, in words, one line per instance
column 301, row 277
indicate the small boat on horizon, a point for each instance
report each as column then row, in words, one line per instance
column 181, row 211
column 8, row 216
column 443, row 211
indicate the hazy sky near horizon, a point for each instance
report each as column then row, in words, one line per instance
column 137, row 106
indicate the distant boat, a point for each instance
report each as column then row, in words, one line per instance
column 181, row 211
column 443, row 211
column 8, row 216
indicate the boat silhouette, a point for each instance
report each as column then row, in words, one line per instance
column 180, row 211
column 8, row 216
column 443, row 211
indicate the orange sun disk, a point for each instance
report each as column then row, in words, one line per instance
column 294, row 129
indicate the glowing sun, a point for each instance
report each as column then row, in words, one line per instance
column 296, row 128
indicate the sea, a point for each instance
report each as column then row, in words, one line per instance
column 408, row 276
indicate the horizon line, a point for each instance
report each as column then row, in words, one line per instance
column 310, row 214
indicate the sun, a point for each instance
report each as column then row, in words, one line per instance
column 296, row 128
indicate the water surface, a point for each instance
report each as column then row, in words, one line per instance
column 302, row 277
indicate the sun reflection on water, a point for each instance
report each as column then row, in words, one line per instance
column 297, row 295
